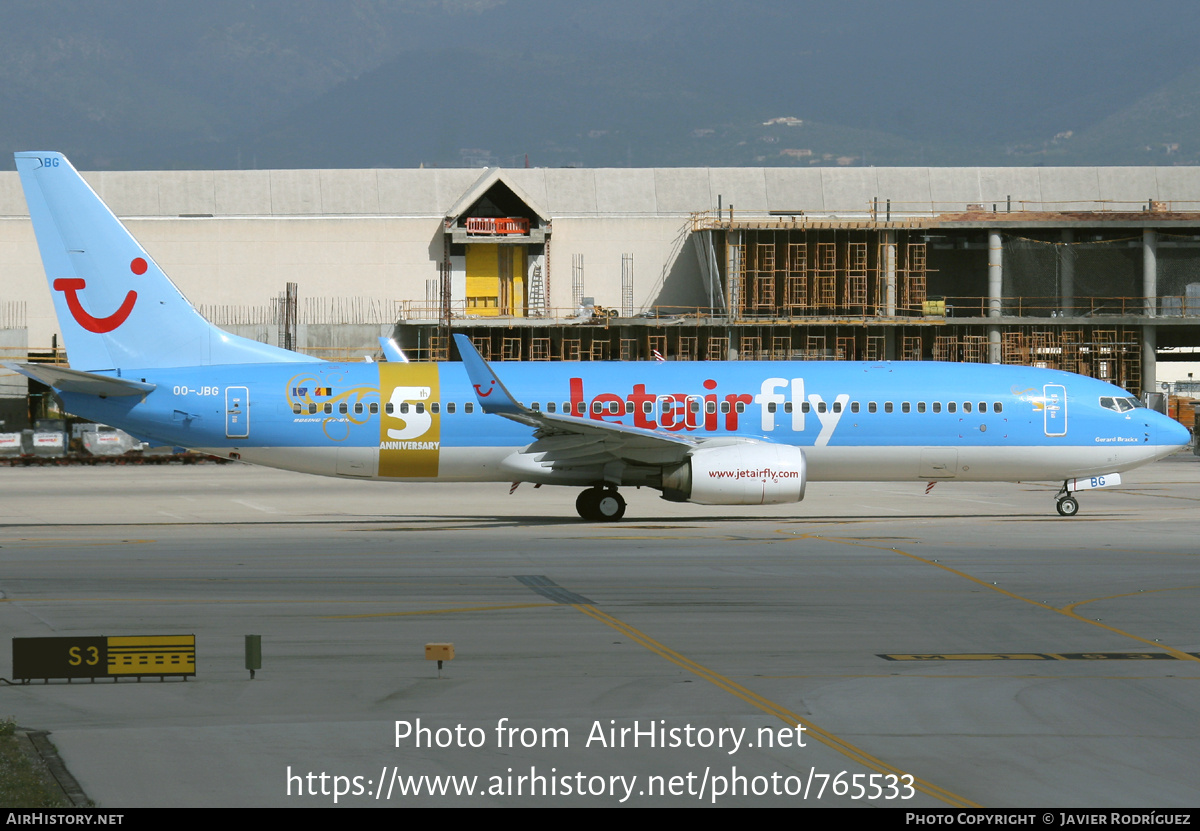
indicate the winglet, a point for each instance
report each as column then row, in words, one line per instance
column 392, row 351
column 493, row 397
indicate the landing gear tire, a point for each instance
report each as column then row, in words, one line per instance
column 600, row 505
column 1068, row 506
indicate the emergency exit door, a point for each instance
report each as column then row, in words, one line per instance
column 237, row 412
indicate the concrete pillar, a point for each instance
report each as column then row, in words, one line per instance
column 1149, row 360
column 995, row 292
column 1150, row 270
column 889, row 272
column 890, row 352
column 1150, row 293
column 735, row 273
column 995, row 273
column 1067, row 281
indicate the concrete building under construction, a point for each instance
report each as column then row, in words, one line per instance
column 1092, row 270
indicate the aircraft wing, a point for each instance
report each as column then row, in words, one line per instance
column 571, row 441
column 74, row 380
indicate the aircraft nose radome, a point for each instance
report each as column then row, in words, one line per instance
column 1172, row 432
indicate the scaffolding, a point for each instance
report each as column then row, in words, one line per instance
column 825, row 277
column 795, row 287
column 845, row 348
column 913, row 286
column 763, row 287
column 855, row 293
column 689, row 348
column 876, row 348
column 627, row 285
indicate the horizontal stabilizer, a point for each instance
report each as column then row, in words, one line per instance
column 86, row 383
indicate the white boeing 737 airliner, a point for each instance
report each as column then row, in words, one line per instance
column 714, row 433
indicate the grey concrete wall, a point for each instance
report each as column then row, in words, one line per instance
column 610, row 191
column 377, row 233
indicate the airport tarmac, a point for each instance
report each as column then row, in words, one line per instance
column 969, row 638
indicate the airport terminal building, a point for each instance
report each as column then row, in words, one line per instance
column 1094, row 270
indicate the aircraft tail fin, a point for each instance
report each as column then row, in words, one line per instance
column 114, row 304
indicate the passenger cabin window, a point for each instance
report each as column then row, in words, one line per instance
column 805, row 407
column 770, row 406
column 787, row 406
column 998, row 407
column 741, row 406
column 966, row 406
column 551, row 407
column 820, row 406
column 951, row 407
column 358, row 408
column 312, row 408
column 937, row 406
column 469, row 407
column 450, row 407
column 374, row 408
column 342, row 408
column 296, row 409
column 887, row 406
column 906, row 407
column 710, row 407
column 854, row 406
column 872, row 407
column 434, row 407
column 920, row 406
column 536, row 407
column 837, row 406
column 328, row 408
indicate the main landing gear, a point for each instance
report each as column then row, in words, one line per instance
column 1068, row 505
column 600, row 505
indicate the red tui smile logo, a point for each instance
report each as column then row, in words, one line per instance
column 100, row 325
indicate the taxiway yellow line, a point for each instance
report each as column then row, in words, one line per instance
column 771, row 708
column 442, row 611
column 1067, row 611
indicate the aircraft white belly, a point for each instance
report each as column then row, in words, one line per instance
column 974, row 464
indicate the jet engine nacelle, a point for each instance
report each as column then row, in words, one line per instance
column 738, row 474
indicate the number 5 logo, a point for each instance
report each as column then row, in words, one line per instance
column 416, row 423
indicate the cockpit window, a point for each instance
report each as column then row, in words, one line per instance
column 1119, row 405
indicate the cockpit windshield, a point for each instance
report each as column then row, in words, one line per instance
column 1119, row 405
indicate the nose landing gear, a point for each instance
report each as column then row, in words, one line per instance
column 1068, row 505
column 600, row 505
